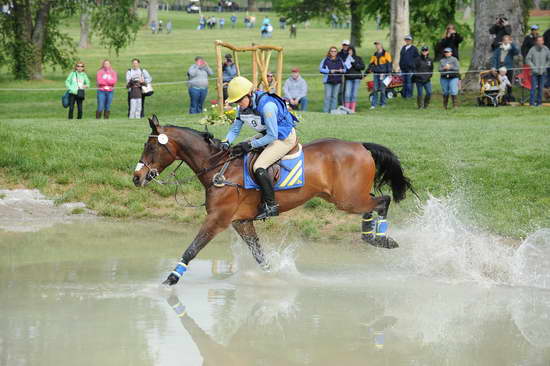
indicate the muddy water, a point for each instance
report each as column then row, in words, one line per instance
column 88, row 294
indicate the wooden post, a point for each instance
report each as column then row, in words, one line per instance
column 236, row 61
column 219, row 81
column 254, row 68
column 279, row 72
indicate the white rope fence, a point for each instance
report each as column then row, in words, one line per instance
column 302, row 74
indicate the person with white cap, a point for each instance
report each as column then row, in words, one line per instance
column 407, row 59
column 529, row 40
column 344, row 52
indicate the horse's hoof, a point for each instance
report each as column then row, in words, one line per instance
column 384, row 242
column 171, row 280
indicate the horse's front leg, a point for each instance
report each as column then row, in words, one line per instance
column 214, row 224
column 245, row 228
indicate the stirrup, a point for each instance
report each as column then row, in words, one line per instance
column 268, row 211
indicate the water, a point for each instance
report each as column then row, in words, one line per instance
column 88, row 294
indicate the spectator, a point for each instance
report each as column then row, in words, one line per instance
column 266, row 20
column 538, row 58
column 529, row 41
column 233, row 21
column 153, row 27
column 449, row 69
column 343, row 54
column 222, row 22
column 247, row 22
column 252, row 21
column 295, row 89
column 500, row 29
column 212, row 22
column 282, row 22
column 293, row 31
column 198, row 84
column 271, row 84
column 503, row 55
column 229, row 72
column 424, row 67
column 407, row 59
column 354, row 74
column 77, row 82
column 135, row 94
column 202, row 22
column 263, row 31
column 106, row 79
column 546, row 36
column 169, row 27
column 332, row 67
column 160, row 26
column 451, row 39
column 136, row 72
column 334, row 20
column 381, row 66
column 505, row 85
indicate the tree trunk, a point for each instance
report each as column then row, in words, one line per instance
column 31, row 39
column 152, row 12
column 252, row 5
column 484, row 19
column 399, row 28
column 356, row 8
column 84, row 28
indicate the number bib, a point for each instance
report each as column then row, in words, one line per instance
column 254, row 121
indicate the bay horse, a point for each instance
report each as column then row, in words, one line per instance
column 341, row 172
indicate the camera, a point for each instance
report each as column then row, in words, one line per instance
column 501, row 20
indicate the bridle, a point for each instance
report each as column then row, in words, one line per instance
column 218, row 180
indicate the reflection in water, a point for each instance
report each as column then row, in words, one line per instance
column 96, row 301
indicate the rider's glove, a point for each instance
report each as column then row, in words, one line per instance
column 241, row 148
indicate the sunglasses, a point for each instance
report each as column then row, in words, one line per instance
column 79, row 65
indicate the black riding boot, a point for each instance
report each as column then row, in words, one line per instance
column 427, row 101
column 269, row 205
column 445, row 101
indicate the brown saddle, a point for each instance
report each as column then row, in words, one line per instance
column 275, row 169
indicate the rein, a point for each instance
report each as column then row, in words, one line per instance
column 218, row 180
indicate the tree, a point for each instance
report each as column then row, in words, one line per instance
column 485, row 17
column 31, row 34
column 399, row 27
column 303, row 10
column 85, row 18
column 152, row 12
column 252, row 5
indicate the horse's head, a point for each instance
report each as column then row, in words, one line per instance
column 158, row 153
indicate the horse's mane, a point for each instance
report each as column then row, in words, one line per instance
column 207, row 136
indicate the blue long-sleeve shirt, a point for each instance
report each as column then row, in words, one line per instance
column 269, row 115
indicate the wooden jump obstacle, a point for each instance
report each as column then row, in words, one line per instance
column 261, row 56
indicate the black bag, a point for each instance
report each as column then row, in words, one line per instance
column 80, row 94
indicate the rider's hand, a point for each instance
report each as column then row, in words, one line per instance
column 241, row 148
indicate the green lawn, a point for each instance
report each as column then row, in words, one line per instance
column 498, row 160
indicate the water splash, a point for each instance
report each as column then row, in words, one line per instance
column 438, row 243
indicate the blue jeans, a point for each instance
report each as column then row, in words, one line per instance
column 420, row 87
column 104, row 100
column 407, row 85
column 449, row 86
column 197, row 96
column 379, row 87
column 352, row 87
column 331, row 97
column 537, row 85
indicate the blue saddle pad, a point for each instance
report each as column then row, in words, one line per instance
column 291, row 174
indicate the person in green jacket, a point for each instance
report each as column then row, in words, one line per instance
column 76, row 83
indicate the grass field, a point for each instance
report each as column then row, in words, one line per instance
column 496, row 160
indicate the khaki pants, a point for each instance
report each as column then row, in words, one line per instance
column 275, row 151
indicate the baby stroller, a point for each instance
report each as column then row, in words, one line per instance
column 489, row 93
column 394, row 88
column 524, row 80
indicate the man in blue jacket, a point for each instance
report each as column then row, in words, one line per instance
column 267, row 114
column 409, row 54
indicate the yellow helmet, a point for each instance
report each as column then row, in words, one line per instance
column 238, row 88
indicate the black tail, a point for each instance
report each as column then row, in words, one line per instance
column 389, row 171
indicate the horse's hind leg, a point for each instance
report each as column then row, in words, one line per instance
column 374, row 230
column 246, row 230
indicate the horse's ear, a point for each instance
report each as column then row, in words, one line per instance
column 154, row 123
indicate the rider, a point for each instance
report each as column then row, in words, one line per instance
column 267, row 114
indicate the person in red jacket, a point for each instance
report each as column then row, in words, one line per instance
column 106, row 79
